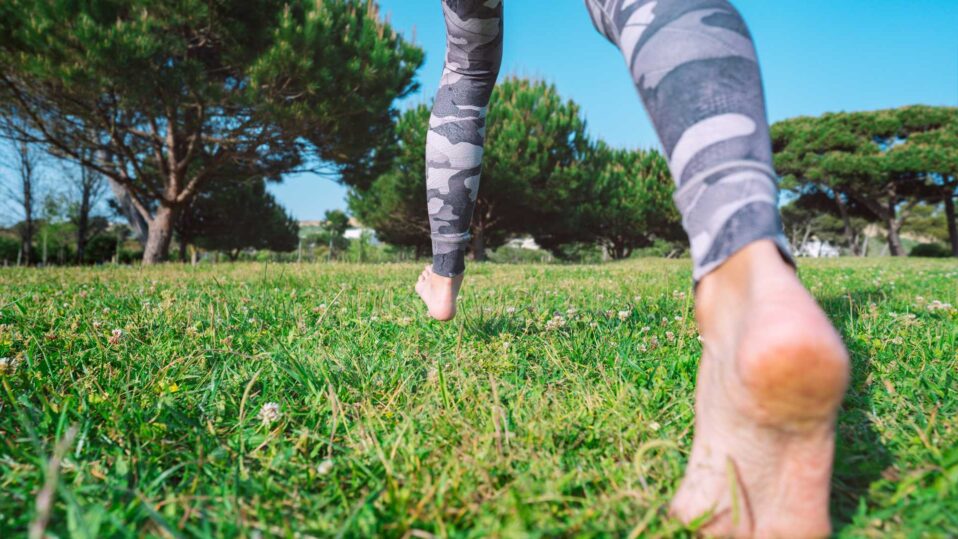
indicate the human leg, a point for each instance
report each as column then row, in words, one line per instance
column 773, row 370
column 455, row 141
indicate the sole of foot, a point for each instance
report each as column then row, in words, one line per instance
column 439, row 293
column 772, row 376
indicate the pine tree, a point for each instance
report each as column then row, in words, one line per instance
column 157, row 96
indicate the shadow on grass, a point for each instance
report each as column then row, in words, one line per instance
column 487, row 327
column 860, row 457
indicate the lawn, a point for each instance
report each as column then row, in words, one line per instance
column 318, row 400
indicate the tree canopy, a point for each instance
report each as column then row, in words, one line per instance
column 618, row 198
column 233, row 215
column 533, row 135
column 394, row 204
column 157, row 96
column 882, row 162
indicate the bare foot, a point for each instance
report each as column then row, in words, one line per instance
column 439, row 293
column 772, row 376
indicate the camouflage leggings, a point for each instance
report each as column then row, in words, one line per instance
column 695, row 68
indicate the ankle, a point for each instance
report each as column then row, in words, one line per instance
column 755, row 260
column 738, row 275
column 446, row 282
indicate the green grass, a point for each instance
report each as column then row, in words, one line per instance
column 507, row 422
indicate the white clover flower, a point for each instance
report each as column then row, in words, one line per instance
column 654, row 425
column 645, row 329
column 6, row 365
column 115, row 336
column 937, row 305
column 510, row 310
column 557, row 322
column 324, row 467
column 670, row 336
column 624, row 315
column 269, row 413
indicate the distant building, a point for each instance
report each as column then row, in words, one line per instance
column 354, row 232
column 527, row 242
column 816, row 248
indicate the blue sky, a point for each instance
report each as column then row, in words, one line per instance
column 816, row 56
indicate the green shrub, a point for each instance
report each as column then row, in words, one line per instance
column 661, row 249
column 931, row 250
column 9, row 248
column 518, row 255
column 583, row 253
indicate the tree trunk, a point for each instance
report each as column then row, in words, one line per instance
column 26, row 240
column 83, row 223
column 808, row 232
column 618, row 250
column 159, row 235
column 952, row 226
column 116, row 255
column 125, row 202
column 894, row 240
column 846, row 224
column 478, row 246
column 182, row 245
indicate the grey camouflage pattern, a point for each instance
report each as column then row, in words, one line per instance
column 457, row 126
column 695, row 68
